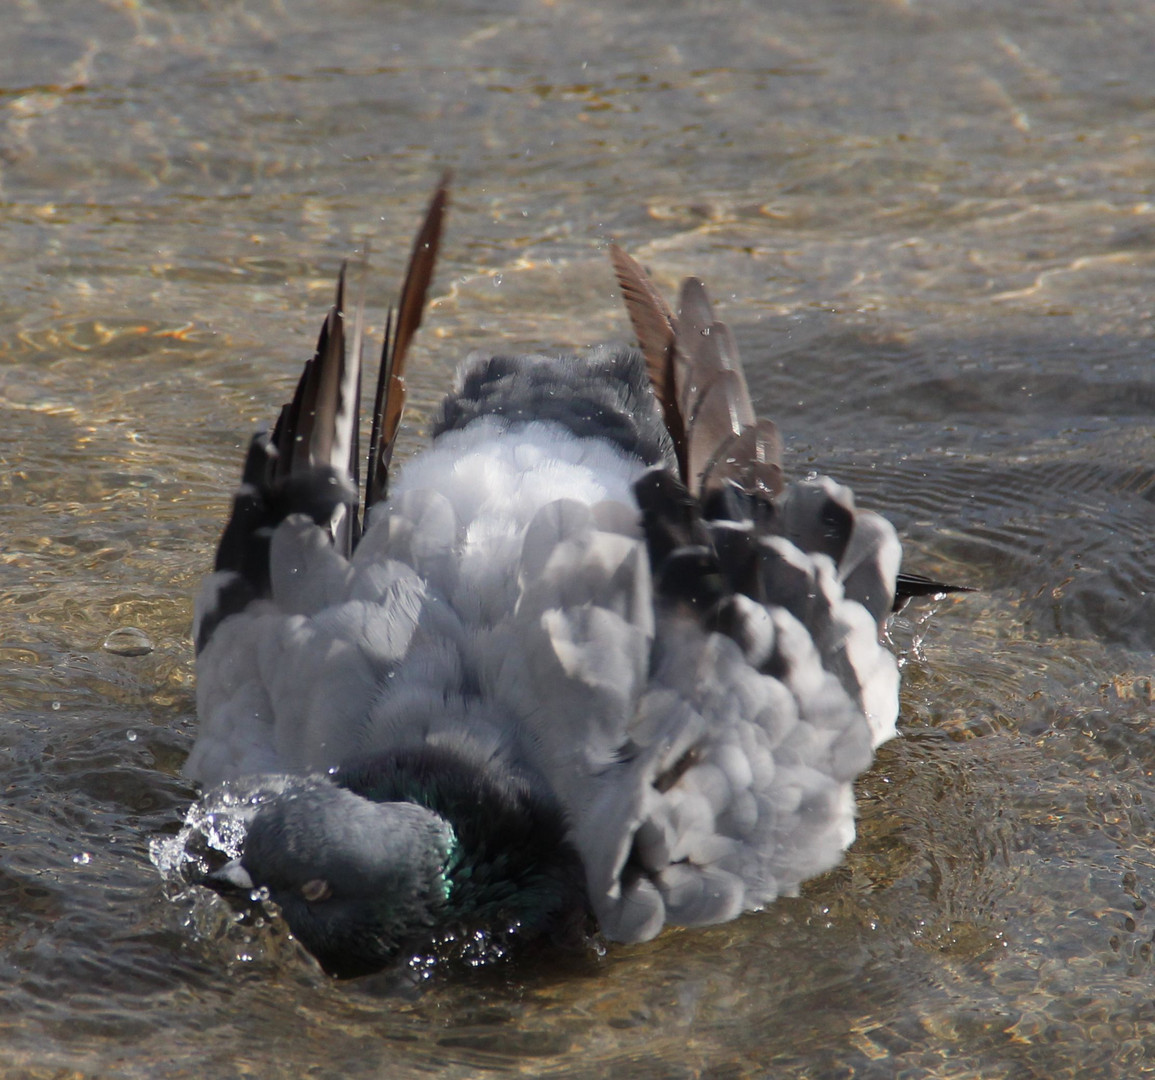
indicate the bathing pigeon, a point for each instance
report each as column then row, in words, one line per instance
column 588, row 659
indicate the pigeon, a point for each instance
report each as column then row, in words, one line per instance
column 587, row 663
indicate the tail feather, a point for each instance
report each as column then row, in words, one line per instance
column 912, row 586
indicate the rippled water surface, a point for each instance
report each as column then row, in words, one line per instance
column 932, row 228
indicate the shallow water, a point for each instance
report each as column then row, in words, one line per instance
column 931, row 227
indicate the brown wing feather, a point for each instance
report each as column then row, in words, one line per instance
column 656, row 328
column 694, row 316
column 714, row 398
column 713, row 425
column 698, row 380
column 752, row 460
column 390, row 397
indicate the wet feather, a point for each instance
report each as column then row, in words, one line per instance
column 591, row 621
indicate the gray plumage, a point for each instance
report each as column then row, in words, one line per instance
column 660, row 660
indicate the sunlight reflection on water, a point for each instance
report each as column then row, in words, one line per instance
column 931, row 231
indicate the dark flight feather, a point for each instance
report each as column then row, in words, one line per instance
column 656, row 329
column 389, row 401
column 697, row 377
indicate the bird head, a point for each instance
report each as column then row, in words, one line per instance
column 355, row 880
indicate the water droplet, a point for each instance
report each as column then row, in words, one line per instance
column 128, row 641
column 56, row 706
column 497, row 281
column 83, row 859
column 130, row 735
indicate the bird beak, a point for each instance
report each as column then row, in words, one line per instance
column 232, row 879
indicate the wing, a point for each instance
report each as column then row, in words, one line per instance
column 700, row 695
column 703, row 701
column 697, row 378
column 285, row 553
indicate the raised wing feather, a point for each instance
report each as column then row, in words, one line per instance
column 698, row 380
column 389, row 402
column 656, row 328
column 308, row 465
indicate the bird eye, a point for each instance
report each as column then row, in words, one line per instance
column 315, row 890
